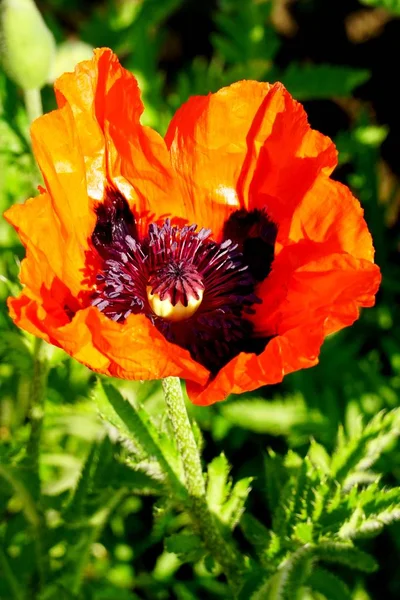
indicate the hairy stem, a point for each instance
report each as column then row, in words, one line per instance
column 37, row 393
column 37, row 396
column 220, row 548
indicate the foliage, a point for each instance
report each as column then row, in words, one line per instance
column 391, row 5
column 302, row 479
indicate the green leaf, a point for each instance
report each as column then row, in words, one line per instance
column 391, row 5
column 134, row 425
column 319, row 456
column 79, row 495
column 255, row 533
column 233, row 508
column 218, row 486
column 274, row 417
column 312, row 82
column 14, row 346
column 24, row 482
column 327, row 584
column 346, row 554
column 187, row 546
column 276, row 476
column 363, row 450
column 293, row 573
column 244, row 31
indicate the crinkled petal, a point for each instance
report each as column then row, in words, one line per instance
column 301, row 306
column 134, row 350
column 329, row 213
column 296, row 349
column 105, row 101
column 50, row 252
column 248, row 145
column 57, row 150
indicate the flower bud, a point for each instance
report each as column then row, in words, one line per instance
column 27, row 46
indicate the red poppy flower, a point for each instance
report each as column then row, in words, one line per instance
column 222, row 254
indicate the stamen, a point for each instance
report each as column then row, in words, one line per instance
column 195, row 291
column 255, row 235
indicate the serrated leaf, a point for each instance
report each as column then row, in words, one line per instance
column 311, row 82
column 255, row 533
column 276, row 476
column 135, row 479
column 274, row 417
column 135, row 425
column 361, row 451
column 187, row 546
column 233, row 508
column 346, row 554
column 319, row 456
column 218, row 486
column 329, row 585
column 293, row 573
column 303, row 532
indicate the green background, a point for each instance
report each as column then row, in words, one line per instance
column 339, row 59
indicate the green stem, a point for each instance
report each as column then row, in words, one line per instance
column 37, row 393
column 28, row 503
column 37, row 397
column 219, row 547
column 97, row 524
column 33, row 103
column 34, row 516
column 9, row 576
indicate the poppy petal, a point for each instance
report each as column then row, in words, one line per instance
column 288, row 163
column 330, row 213
column 318, row 298
column 50, row 251
column 223, row 165
column 318, row 230
column 57, row 150
column 105, row 101
column 135, row 350
column 296, row 349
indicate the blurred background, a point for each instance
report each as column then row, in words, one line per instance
column 341, row 60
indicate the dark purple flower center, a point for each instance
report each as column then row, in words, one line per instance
column 195, row 291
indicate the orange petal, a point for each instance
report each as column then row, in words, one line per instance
column 231, row 146
column 296, row 349
column 57, row 150
column 330, row 213
column 207, row 139
column 50, row 251
column 134, row 350
column 105, row 101
column 300, row 307
column 288, row 163
column 319, row 232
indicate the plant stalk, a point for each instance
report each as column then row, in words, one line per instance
column 220, row 548
column 9, row 576
column 36, row 413
column 37, row 396
column 33, row 103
